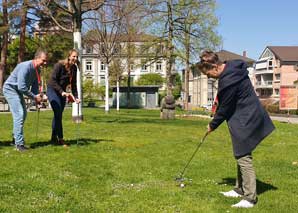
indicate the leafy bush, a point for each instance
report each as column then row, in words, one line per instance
column 93, row 91
column 150, row 79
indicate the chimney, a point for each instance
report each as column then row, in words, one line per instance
column 244, row 53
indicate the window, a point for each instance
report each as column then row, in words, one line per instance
column 102, row 66
column 102, row 80
column 131, row 79
column 117, row 49
column 158, row 66
column 276, row 91
column 88, row 66
column 277, row 77
column 270, row 65
column 144, row 66
column 89, row 49
column 159, row 49
column 131, row 67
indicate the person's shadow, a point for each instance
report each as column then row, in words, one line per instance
column 79, row 142
column 6, row 143
column 261, row 186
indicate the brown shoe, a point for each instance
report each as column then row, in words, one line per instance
column 61, row 142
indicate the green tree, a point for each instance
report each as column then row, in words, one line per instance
column 150, row 79
column 196, row 24
column 177, row 86
column 92, row 91
column 186, row 26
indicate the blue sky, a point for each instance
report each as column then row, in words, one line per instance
column 252, row 25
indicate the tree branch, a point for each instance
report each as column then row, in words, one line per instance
column 59, row 25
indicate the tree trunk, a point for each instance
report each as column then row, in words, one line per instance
column 128, row 88
column 118, row 94
column 23, row 32
column 107, row 89
column 170, row 49
column 77, row 114
column 4, row 44
column 187, row 69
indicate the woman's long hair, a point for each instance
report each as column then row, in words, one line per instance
column 66, row 63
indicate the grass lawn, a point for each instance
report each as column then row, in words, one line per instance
column 127, row 162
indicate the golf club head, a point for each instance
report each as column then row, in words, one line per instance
column 180, row 178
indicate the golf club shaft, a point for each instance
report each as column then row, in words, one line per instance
column 78, row 123
column 37, row 124
column 199, row 145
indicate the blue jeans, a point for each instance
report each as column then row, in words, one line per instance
column 18, row 109
column 57, row 103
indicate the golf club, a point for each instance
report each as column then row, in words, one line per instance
column 180, row 178
column 37, row 122
column 78, row 133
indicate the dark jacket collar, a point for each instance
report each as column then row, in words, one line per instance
column 234, row 71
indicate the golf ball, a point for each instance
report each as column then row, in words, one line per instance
column 182, row 185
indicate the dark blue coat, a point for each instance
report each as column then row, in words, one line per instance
column 247, row 120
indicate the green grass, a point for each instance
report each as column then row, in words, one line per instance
column 127, row 162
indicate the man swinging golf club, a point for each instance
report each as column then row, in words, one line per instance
column 247, row 120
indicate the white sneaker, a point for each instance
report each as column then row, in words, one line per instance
column 243, row 204
column 231, row 193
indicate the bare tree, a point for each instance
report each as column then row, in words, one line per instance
column 132, row 25
column 105, row 36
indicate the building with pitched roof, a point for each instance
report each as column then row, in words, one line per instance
column 147, row 57
column 277, row 66
column 202, row 90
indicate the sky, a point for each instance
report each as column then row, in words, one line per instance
column 251, row 25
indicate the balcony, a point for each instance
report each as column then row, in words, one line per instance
column 263, row 84
column 263, row 71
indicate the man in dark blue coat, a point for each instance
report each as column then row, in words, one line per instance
column 247, row 120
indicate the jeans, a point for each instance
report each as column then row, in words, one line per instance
column 57, row 103
column 18, row 109
column 246, row 178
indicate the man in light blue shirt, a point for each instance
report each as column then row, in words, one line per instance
column 24, row 80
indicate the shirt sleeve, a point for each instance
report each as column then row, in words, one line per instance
column 55, row 78
column 23, row 80
column 227, row 104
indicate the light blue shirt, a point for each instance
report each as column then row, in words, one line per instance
column 22, row 78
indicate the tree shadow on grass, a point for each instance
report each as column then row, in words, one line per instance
column 261, row 186
column 79, row 142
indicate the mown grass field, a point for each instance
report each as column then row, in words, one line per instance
column 127, row 162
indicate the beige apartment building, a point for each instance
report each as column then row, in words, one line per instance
column 277, row 66
column 202, row 90
column 147, row 58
